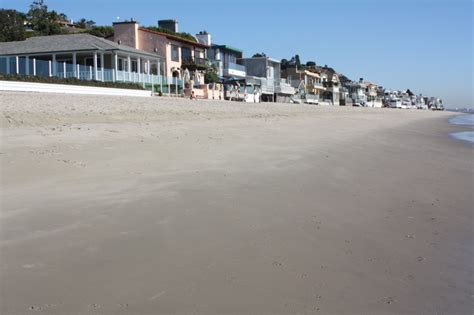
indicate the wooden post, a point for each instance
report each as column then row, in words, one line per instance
column 8, row 65
column 27, row 65
column 115, row 66
column 102, row 65
column 17, row 60
column 139, row 70
column 74, row 63
column 129, row 66
column 96, row 71
column 148, row 68
column 54, row 69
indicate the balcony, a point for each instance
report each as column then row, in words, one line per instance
column 285, row 88
column 234, row 70
column 194, row 63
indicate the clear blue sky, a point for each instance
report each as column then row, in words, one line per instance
column 418, row 44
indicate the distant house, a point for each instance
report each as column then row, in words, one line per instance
column 330, row 80
column 363, row 93
column 81, row 56
column 268, row 72
column 225, row 59
column 307, row 83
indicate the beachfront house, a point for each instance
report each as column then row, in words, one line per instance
column 330, row 80
column 267, row 72
column 81, row 56
column 356, row 92
column 226, row 60
column 180, row 53
column 307, row 83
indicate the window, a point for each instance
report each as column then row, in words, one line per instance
column 89, row 61
column 122, row 64
column 174, row 53
column 199, row 53
column 186, row 54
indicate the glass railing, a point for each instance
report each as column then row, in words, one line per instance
column 234, row 66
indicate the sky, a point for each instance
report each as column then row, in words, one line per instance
column 423, row 45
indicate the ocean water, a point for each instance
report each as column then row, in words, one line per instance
column 468, row 121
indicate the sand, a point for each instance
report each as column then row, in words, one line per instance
column 118, row 205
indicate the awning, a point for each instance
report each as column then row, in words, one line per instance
column 233, row 80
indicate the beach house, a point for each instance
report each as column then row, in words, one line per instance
column 81, row 56
column 180, row 53
column 226, row 60
column 307, row 83
column 330, row 80
column 267, row 72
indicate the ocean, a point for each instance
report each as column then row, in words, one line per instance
column 466, row 120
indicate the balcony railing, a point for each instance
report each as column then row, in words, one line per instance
column 194, row 61
column 234, row 66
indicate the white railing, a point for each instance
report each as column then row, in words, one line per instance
column 47, row 68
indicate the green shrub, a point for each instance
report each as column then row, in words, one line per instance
column 70, row 81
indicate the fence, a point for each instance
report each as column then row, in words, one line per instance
column 48, row 68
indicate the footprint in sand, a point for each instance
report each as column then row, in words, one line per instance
column 410, row 277
column 94, row 305
column 388, row 300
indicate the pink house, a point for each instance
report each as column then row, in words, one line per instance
column 178, row 52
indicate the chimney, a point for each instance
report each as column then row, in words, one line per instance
column 204, row 38
column 170, row 25
column 126, row 33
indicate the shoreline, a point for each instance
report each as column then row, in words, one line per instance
column 211, row 208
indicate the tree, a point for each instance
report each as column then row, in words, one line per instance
column 311, row 64
column 210, row 76
column 11, row 25
column 43, row 21
column 183, row 35
column 297, row 60
column 83, row 23
column 101, row 31
column 284, row 64
column 259, row 55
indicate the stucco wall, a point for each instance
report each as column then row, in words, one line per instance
column 127, row 34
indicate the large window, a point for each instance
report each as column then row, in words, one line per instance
column 186, row 54
column 174, row 53
column 122, row 64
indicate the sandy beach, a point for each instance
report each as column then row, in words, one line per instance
column 120, row 205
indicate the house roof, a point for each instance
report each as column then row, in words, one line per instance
column 227, row 47
column 262, row 58
column 66, row 43
column 176, row 38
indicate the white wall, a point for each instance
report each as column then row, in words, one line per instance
column 70, row 89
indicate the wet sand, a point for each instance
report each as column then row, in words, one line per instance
column 115, row 205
